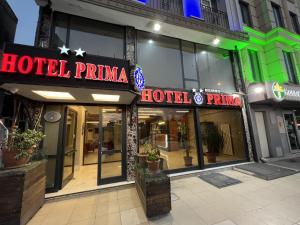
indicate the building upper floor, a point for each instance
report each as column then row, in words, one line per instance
column 265, row 15
column 8, row 23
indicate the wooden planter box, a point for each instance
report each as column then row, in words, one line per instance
column 154, row 192
column 22, row 193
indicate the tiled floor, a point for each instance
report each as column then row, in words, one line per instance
column 253, row 202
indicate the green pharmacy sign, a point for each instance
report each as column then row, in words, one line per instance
column 278, row 91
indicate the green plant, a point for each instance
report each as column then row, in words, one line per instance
column 153, row 154
column 212, row 137
column 146, row 148
column 22, row 142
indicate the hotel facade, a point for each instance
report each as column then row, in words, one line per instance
column 107, row 78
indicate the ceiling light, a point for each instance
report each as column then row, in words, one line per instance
column 216, row 41
column 150, row 41
column 106, row 98
column 55, row 95
column 156, row 27
column 185, row 111
column 203, row 52
column 161, row 123
column 144, row 117
column 259, row 90
column 219, row 83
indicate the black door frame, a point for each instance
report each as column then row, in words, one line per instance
column 123, row 176
column 70, row 177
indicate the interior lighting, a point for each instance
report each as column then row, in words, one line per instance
column 54, row 95
column 156, row 27
column 106, row 98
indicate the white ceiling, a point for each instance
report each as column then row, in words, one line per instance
column 81, row 95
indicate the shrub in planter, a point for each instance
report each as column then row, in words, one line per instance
column 20, row 147
column 153, row 160
column 143, row 154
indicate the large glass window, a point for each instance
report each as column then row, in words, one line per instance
column 173, row 132
column 97, row 38
column 215, row 69
column 189, row 65
column 94, row 37
column 59, row 36
column 277, row 15
column 290, row 67
column 246, row 16
column 222, row 135
column 161, row 60
column 255, row 66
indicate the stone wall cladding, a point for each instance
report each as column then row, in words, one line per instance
column 131, row 111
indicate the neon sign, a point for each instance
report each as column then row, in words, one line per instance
column 49, row 67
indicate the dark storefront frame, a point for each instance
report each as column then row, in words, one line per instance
column 196, row 112
column 59, row 157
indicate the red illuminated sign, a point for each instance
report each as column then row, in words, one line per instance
column 48, row 67
column 167, row 96
column 160, row 96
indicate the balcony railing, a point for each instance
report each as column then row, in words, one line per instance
column 209, row 15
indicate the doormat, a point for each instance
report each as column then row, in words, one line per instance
column 219, row 180
column 264, row 171
column 292, row 164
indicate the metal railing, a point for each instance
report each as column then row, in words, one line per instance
column 209, row 15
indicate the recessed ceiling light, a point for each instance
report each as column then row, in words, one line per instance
column 184, row 111
column 55, row 95
column 219, row 83
column 203, row 52
column 216, row 41
column 259, row 90
column 156, row 27
column 106, row 98
column 150, row 41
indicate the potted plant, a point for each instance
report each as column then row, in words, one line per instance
column 143, row 154
column 20, row 146
column 188, row 160
column 153, row 160
column 212, row 137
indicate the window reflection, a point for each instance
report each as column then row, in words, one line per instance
column 222, row 135
column 173, row 132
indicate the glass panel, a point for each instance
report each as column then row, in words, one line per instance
column 222, row 135
column 160, row 57
column 173, row 132
column 59, row 37
column 246, row 13
column 97, row 38
column 277, row 15
column 69, row 148
column 189, row 60
column 215, row 69
column 190, row 84
column 91, row 136
column 256, row 72
column 295, row 22
column 50, row 172
column 289, row 67
column 291, row 129
column 111, row 157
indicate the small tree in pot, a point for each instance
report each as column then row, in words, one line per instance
column 153, row 160
column 212, row 137
column 143, row 154
column 20, row 146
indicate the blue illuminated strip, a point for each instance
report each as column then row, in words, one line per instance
column 142, row 1
column 192, row 8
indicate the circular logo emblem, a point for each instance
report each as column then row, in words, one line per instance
column 278, row 91
column 198, row 98
column 139, row 78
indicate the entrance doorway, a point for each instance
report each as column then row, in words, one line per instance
column 290, row 124
column 95, row 134
column 262, row 135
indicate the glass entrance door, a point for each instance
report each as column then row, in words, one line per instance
column 291, row 130
column 69, row 146
column 111, row 152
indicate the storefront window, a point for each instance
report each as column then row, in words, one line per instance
column 292, row 130
column 97, row 38
column 160, row 58
column 215, row 69
column 173, row 132
column 222, row 135
column 94, row 37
